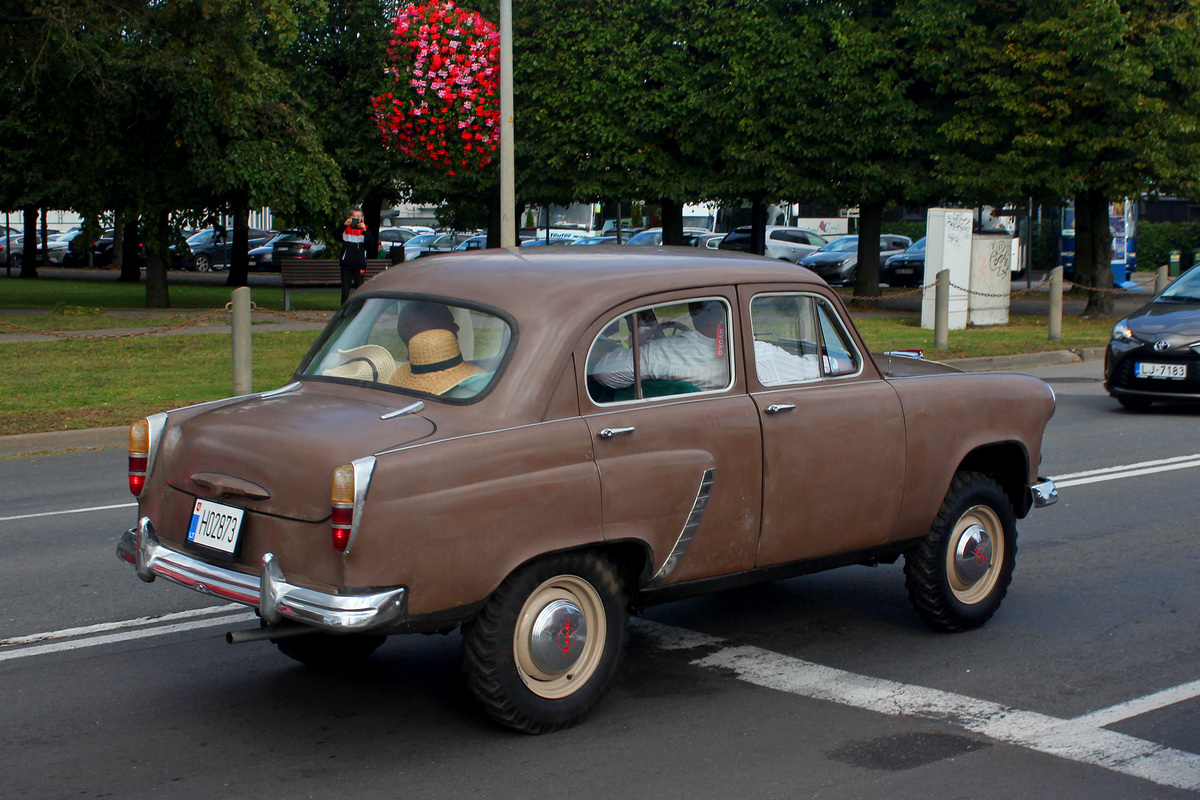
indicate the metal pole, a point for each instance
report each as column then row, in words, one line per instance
column 243, row 380
column 508, row 198
column 618, row 222
column 1160, row 279
column 941, row 311
column 1056, row 301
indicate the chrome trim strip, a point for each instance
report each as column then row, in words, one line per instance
column 689, row 527
column 363, row 469
column 275, row 598
column 1044, row 492
column 412, row 408
column 155, row 423
column 291, row 387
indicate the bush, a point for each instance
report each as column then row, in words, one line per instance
column 913, row 230
column 1156, row 240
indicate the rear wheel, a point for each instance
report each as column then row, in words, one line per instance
column 329, row 650
column 959, row 573
column 542, row 651
column 202, row 263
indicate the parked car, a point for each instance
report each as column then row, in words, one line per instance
column 837, row 261
column 708, row 241
column 907, row 268
column 1152, row 355
column 390, row 238
column 474, row 243
column 498, row 464
column 591, row 240
column 286, row 244
column 433, row 243
column 542, row 241
column 787, row 244
column 12, row 250
column 653, row 236
column 102, row 250
column 211, row 249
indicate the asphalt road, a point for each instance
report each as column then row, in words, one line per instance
column 1086, row 684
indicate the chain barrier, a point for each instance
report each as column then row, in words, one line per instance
column 292, row 315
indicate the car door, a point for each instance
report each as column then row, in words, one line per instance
column 676, row 439
column 833, row 429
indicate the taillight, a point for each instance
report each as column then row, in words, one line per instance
column 139, row 455
column 342, row 510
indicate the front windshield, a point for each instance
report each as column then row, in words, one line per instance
column 1185, row 287
column 646, row 237
column 846, row 244
column 203, row 237
column 416, row 346
column 917, row 247
column 423, row 239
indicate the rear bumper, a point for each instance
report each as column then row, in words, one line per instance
column 277, row 600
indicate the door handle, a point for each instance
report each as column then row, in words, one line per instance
column 608, row 433
column 780, row 407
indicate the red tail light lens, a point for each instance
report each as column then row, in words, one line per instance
column 342, row 506
column 139, row 455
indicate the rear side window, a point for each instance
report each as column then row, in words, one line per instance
column 681, row 348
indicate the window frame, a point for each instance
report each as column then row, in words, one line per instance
column 836, row 319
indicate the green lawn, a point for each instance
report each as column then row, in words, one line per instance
column 83, row 383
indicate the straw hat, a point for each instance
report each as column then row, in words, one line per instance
column 435, row 363
column 370, row 362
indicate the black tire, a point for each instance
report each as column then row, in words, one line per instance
column 1134, row 403
column 327, row 651
column 959, row 573
column 202, row 263
column 510, row 649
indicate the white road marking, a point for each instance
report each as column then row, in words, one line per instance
column 1083, row 739
column 66, row 633
column 68, row 511
column 1126, row 471
column 126, row 636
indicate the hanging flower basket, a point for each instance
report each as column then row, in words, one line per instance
column 444, row 109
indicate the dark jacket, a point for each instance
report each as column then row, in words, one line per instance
column 357, row 246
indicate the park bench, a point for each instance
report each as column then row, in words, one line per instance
column 318, row 275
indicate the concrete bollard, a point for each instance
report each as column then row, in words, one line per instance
column 941, row 311
column 243, row 379
column 1056, row 304
column 1161, row 279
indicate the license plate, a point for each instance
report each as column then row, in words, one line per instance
column 904, row 271
column 1173, row 372
column 216, row 526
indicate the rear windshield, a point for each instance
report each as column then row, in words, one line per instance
column 410, row 345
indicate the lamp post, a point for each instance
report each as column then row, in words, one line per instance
column 508, row 201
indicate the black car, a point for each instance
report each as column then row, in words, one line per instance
column 211, row 249
column 102, row 251
column 1154, row 354
column 907, row 268
column 837, row 262
column 288, row 244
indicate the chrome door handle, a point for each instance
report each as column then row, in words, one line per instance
column 778, row 407
column 608, row 433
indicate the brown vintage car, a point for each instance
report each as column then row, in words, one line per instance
column 500, row 461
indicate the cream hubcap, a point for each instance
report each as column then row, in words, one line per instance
column 975, row 554
column 560, row 636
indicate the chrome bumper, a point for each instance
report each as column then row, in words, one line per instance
column 1044, row 492
column 276, row 600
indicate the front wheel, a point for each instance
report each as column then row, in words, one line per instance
column 541, row 652
column 959, row 573
column 202, row 263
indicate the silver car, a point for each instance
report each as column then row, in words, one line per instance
column 783, row 242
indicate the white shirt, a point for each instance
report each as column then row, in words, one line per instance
column 690, row 356
column 776, row 365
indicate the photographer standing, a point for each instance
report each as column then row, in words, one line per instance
column 357, row 243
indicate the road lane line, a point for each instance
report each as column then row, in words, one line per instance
column 1081, row 739
column 1127, row 473
column 127, row 636
column 1141, row 705
column 66, row 633
column 68, row 511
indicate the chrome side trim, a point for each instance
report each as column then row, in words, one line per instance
column 275, row 598
column 291, row 387
column 689, row 527
column 411, row 408
column 156, row 423
column 1044, row 492
column 364, row 468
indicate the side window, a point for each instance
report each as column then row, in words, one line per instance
column 798, row 338
column 681, row 348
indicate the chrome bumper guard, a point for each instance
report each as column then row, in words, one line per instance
column 1044, row 492
column 276, row 600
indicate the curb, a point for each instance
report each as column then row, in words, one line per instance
column 24, row 444
column 1026, row 360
